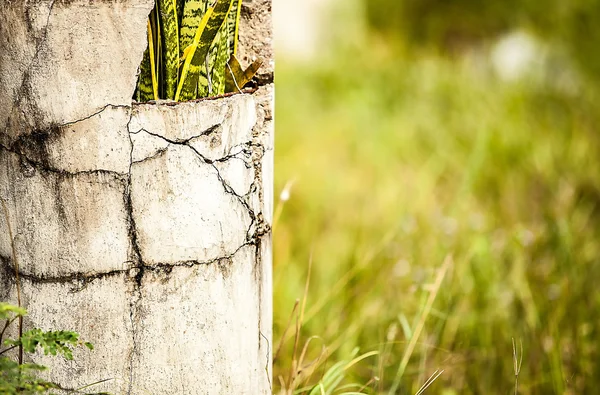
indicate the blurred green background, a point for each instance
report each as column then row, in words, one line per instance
column 420, row 130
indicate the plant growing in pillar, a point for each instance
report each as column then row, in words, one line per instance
column 191, row 53
column 18, row 377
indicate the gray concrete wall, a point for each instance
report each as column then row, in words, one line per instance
column 144, row 227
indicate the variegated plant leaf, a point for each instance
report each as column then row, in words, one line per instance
column 236, row 77
column 216, row 20
column 170, row 33
column 219, row 64
column 189, row 56
column 191, row 52
column 158, row 49
column 193, row 12
column 233, row 23
column 152, row 62
column 144, row 86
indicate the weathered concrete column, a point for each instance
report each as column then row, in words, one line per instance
column 144, row 227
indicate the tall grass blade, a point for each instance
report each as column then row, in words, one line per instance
column 170, row 33
column 421, row 324
column 429, row 381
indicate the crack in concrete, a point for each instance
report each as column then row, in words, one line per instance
column 79, row 281
column 185, row 142
column 100, row 111
column 37, row 141
column 193, row 263
column 158, row 153
column 39, row 166
column 236, row 155
column 207, row 132
column 38, row 48
column 137, row 256
column 103, row 177
column 82, row 280
column 227, row 188
column 133, row 302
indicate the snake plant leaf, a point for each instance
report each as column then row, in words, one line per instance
column 212, row 78
column 236, row 77
column 144, row 91
column 204, row 78
column 152, row 62
column 170, row 33
column 179, row 5
column 219, row 64
column 189, row 56
column 233, row 23
column 193, row 12
column 158, row 50
column 191, row 51
column 216, row 20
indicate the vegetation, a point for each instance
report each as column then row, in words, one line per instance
column 443, row 212
column 191, row 51
column 18, row 377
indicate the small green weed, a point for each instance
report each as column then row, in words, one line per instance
column 17, row 377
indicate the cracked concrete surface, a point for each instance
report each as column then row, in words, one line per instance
column 144, row 227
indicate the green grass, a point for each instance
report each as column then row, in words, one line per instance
column 399, row 163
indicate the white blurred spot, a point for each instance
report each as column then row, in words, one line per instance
column 297, row 25
column 286, row 192
column 516, row 55
column 401, row 268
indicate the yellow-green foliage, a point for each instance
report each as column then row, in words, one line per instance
column 191, row 51
column 409, row 159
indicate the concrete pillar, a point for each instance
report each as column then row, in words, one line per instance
column 144, row 227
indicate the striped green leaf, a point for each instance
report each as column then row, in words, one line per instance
column 191, row 51
column 153, row 69
column 219, row 63
column 189, row 56
column 170, row 54
column 144, row 86
column 191, row 83
column 193, row 12
column 233, row 22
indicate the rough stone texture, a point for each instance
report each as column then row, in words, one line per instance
column 65, row 224
column 179, row 196
column 144, row 227
column 256, row 37
column 213, row 308
column 100, row 311
column 61, row 60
